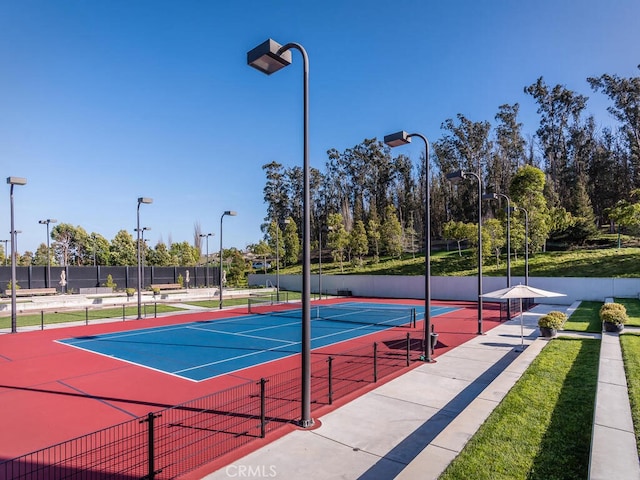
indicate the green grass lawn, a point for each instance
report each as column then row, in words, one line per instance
column 83, row 315
column 631, row 356
column 600, row 262
column 633, row 310
column 586, row 318
column 542, row 428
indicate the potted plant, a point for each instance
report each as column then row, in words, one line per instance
column 613, row 316
column 550, row 323
column 130, row 292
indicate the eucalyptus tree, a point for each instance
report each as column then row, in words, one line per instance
column 391, row 232
column 292, row 243
column 495, row 232
column 185, row 254
column 159, row 256
column 274, row 243
column 465, row 145
column 625, row 94
column 337, row 238
column 275, row 192
column 97, row 250
column 373, row 232
column 69, row 243
column 123, row 249
column 527, row 191
column 459, row 232
column 40, row 257
column 609, row 174
column 358, row 241
column 509, row 149
column 560, row 110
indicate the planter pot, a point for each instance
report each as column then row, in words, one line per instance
column 548, row 332
column 613, row 327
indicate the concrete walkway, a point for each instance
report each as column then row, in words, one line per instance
column 614, row 452
column 413, row 426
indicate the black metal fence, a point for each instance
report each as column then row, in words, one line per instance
column 76, row 278
column 171, row 442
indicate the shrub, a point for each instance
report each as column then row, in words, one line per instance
column 155, row 290
column 130, row 292
column 180, row 280
column 109, row 283
column 553, row 320
column 615, row 313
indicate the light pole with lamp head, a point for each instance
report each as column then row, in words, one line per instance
column 13, row 181
column 455, row 177
column 47, row 222
column 143, row 246
column 141, row 200
column 269, row 57
column 395, row 140
column 206, row 265
column 494, row 196
column 231, row 213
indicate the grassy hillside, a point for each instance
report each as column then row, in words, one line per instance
column 596, row 262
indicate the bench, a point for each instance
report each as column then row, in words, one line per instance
column 27, row 292
column 166, row 286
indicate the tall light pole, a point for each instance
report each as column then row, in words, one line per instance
column 13, row 181
column 269, row 57
column 141, row 200
column 395, row 140
column 206, row 265
column 231, row 213
column 143, row 247
column 6, row 254
column 455, row 177
column 526, row 244
column 47, row 222
column 494, row 196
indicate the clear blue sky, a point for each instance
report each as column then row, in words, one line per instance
column 102, row 102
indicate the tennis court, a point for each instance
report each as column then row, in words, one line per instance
column 61, row 384
column 205, row 349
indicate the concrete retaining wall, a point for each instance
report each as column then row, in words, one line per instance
column 457, row 288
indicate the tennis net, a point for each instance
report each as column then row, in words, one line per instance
column 365, row 314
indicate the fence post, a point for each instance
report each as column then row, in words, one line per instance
column 150, row 420
column 330, row 362
column 263, row 407
column 86, row 315
column 41, row 319
column 375, row 362
column 155, row 309
column 408, row 349
column 123, row 312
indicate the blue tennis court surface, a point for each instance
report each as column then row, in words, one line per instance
column 205, row 349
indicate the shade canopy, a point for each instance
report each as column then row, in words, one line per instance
column 522, row 291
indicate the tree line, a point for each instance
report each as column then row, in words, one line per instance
column 569, row 179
